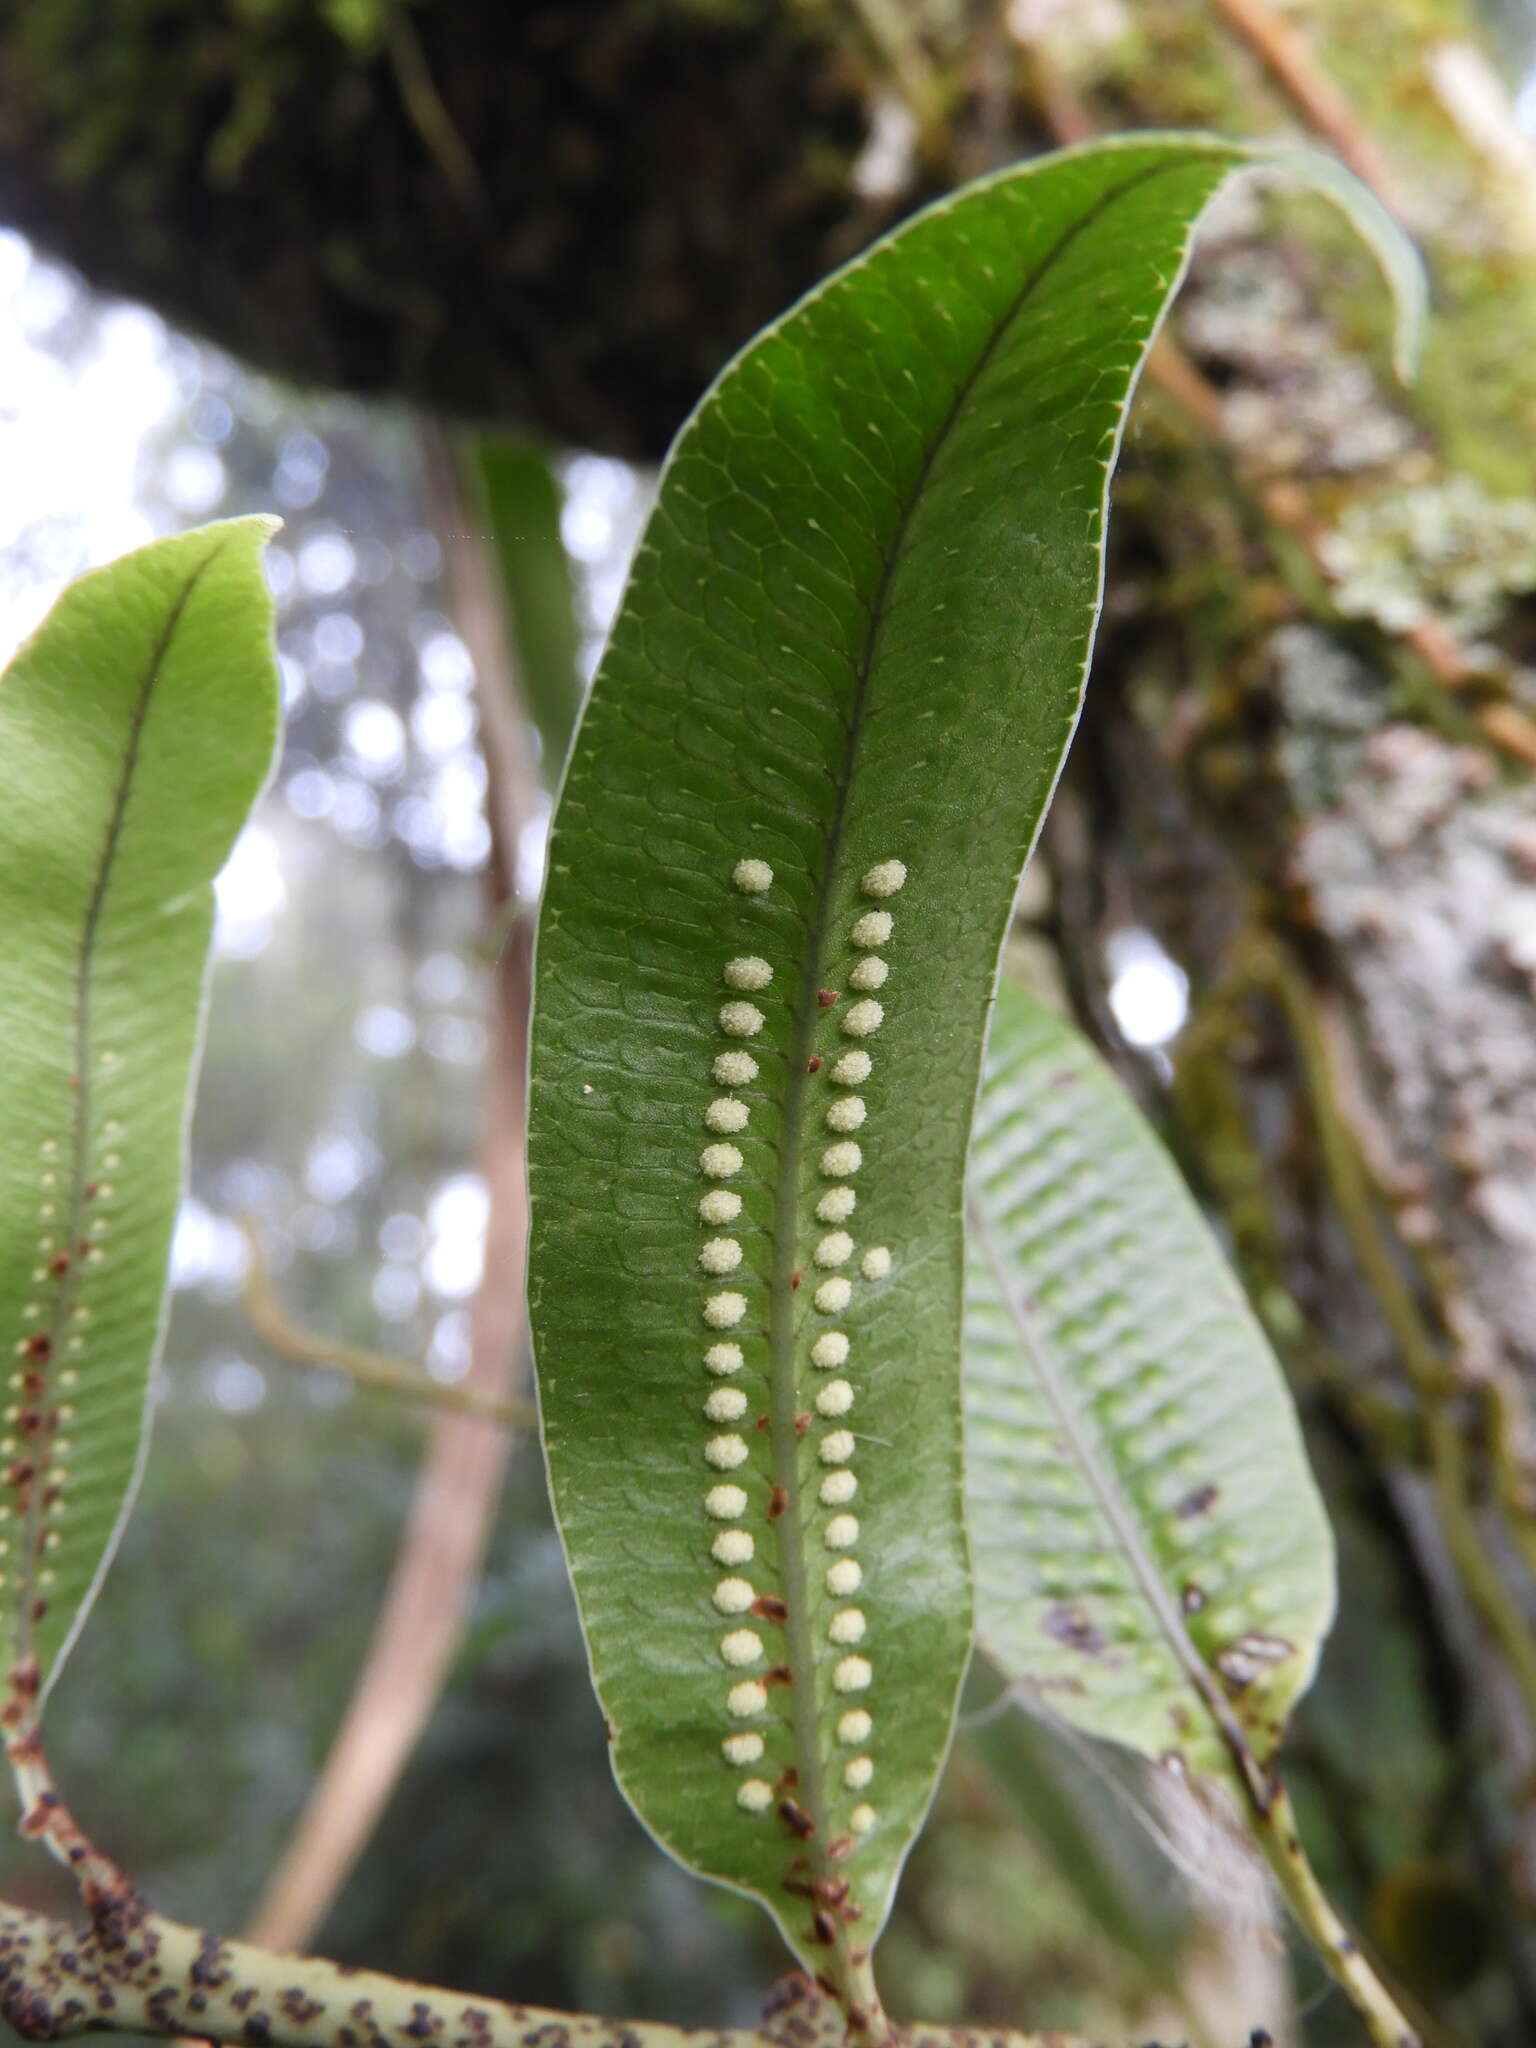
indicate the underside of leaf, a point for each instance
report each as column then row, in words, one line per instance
column 814, row 759
column 1153, row 1561
column 135, row 730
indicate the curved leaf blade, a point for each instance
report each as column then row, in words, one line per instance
column 136, row 728
column 855, row 633
column 519, row 496
column 1153, row 1560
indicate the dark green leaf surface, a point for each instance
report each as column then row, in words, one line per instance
column 851, row 656
column 1152, row 1557
column 136, row 728
column 855, row 634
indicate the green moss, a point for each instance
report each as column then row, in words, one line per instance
column 564, row 214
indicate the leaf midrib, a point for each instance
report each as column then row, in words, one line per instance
column 81, row 1093
column 783, row 1379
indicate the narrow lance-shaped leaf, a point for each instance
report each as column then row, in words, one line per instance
column 519, row 495
column 815, row 756
column 1153, row 1561
column 136, row 727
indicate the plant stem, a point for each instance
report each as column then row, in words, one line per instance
column 142, row 1974
column 428, row 114
column 1280, row 1840
column 156, row 1976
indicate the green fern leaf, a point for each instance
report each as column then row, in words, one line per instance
column 136, row 727
column 814, row 759
column 1153, row 1561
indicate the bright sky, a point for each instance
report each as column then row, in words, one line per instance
column 72, row 435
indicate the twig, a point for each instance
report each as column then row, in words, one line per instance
column 298, row 1346
column 1490, row 1593
column 427, row 112
column 1510, row 728
column 1264, row 962
column 108, row 1894
column 1508, row 1455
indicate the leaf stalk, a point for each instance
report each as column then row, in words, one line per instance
column 1274, row 1825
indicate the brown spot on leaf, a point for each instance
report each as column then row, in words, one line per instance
column 1241, row 1662
column 1199, row 1501
column 769, row 1607
column 795, row 1818
column 1066, row 1623
column 826, row 997
column 813, row 1064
